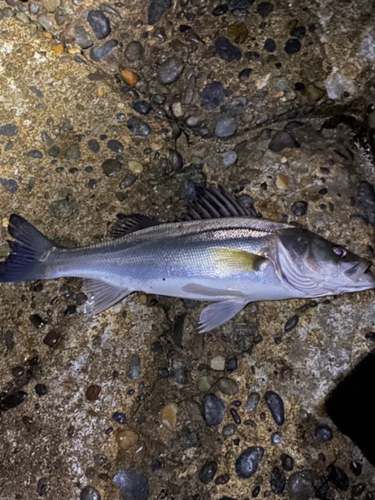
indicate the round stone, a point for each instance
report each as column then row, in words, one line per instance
column 226, row 50
column 226, row 127
column 229, row 158
column 265, row 9
column 292, row 46
column 62, row 209
column 157, row 9
column 323, row 433
column 111, row 167
column 218, row 363
column 227, row 386
column 299, row 208
column 89, row 493
column 134, row 369
column 207, row 472
column 126, row 439
column 276, row 406
column 270, row 45
column 170, row 70
column 142, row 107
column 248, row 462
column 212, row 95
column 132, row 485
column 252, row 401
column 138, row 127
column 213, row 410
column 8, row 130
column 169, row 416
column 277, row 481
column 134, row 51
column 99, row 53
column 99, row 23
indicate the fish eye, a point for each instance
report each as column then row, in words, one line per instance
column 340, row 252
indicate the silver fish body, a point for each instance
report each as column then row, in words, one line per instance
column 229, row 261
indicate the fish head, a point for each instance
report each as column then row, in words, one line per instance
column 316, row 267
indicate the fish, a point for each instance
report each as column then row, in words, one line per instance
column 219, row 252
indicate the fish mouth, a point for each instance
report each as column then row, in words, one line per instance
column 358, row 270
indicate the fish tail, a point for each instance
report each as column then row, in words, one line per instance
column 28, row 259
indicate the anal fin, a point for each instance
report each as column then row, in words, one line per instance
column 219, row 313
column 101, row 295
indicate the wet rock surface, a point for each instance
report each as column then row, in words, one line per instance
column 108, row 109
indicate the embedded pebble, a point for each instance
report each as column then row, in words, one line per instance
column 235, row 415
column 252, row 401
column 168, row 416
column 51, row 5
column 338, row 477
column 134, row 369
column 9, row 184
column 232, row 365
column 41, row 389
column 228, row 430
column 89, row 493
column 229, row 158
column 115, row 146
column 282, row 181
column 292, row 46
column 134, row 51
column 323, row 433
column 8, row 130
column 92, row 392
column 287, row 462
column 111, row 167
column 99, row 24
column 277, row 481
column 270, row 45
column 356, row 468
column 276, row 406
column 132, row 485
column 129, row 77
column 82, row 37
column 99, row 53
column 218, row 363
column 299, row 208
column 244, row 75
column 207, row 472
column 300, row 485
column 45, row 22
column 212, row 95
column 265, row 9
column 135, row 167
column 175, row 159
column 142, row 107
column 157, row 9
column 43, row 486
column 220, row 9
column 226, row 50
column 227, row 386
column 248, row 462
column 52, row 339
column 276, row 437
column 226, row 127
column 128, row 180
column 291, row 323
column 237, row 32
column 93, row 145
column 126, row 439
column 213, row 410
column 62, row 209
column 138, row 127
column 282, row 140
column 12, row 400
column 188, row 438
column 169, row 71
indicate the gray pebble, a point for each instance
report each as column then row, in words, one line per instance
column 62, row 209
column 115, row 146
column 276, row 437
column 170, row 70
column 142, row 107
column 138, row 127
column 99, row 53
column 73, row 152
column 9, row 130
column 229, row 158
column 212, row 95
column 51, row 5
column 188, row 438
column 299, row 208
column 291, row 323
column 9, row 184
column 226, row 50
column 226, row 127
column 45, row 22
column 190, row 89
column 234, row 106
column 248, row 462
column 323, row 433
column 213, row 409
column 276, row 406
column 207, row 472
column 134, row 370
column 132, row 485
column 227, row 386
column 128, row 180
column 43, row 486
column 54, row 151
column 300, row 485
column 277, row 480
column 93, row 145
column 282, row 140
column 252, row 401
column 175, row 159
column 89, row 493
column 99, row 24
column 157, row 9
column 111, row 167
column 134, row 51
column 36, row 91
column 7, row 12
column 82, row 37
column 229, row 430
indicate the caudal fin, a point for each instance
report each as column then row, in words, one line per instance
column 27, row 259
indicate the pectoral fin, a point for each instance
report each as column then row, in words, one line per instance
column 219, row 313
column 101, row 295
column 233, row 260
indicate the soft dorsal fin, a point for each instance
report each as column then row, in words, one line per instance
column 131, row 223
column 212, row 203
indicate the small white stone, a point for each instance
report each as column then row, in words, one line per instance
column 218, row 363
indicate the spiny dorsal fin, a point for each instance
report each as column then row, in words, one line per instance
column 131, row 223
column 212, row 203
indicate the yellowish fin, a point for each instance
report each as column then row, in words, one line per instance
column 233, row 260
